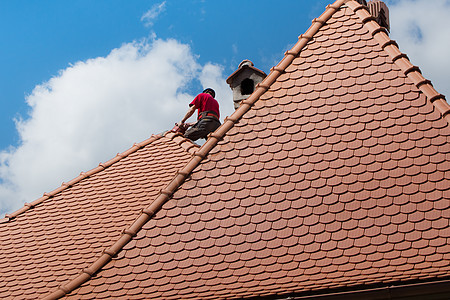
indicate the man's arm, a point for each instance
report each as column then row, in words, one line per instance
column 189, row 113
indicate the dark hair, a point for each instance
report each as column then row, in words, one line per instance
column 211, row 91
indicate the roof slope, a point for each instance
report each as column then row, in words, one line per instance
column 334, row 173
column 336, row 177
column 58, row 235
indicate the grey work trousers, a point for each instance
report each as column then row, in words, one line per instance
column 202, row 128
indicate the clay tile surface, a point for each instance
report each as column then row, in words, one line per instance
column 333, row 175
column 336, row 177
column 50, row 242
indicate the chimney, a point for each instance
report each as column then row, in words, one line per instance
column 380, row 11
column 244, row 80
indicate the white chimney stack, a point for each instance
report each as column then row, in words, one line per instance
column 244, row 80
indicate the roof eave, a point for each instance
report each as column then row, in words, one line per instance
column 439, row 289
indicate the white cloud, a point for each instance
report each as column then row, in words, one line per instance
column 97, row 108
column 234, row 49
column 421, row 29
column 211, row 76
column 150, row 16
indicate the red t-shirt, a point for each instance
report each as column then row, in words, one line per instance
column 204, row 102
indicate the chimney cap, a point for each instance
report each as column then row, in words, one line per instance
column 246, row 63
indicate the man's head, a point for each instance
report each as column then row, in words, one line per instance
column 210, row 91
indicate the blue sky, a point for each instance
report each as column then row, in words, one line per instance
column 42, row 37
column 82, row 80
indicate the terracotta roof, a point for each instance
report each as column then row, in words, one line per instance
column 52, row 239
column 332, row 175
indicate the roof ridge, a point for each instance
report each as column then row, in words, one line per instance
column 400, row 59
column 83, row 175
column 213, row 139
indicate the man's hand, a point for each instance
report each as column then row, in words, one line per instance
column 187, row 125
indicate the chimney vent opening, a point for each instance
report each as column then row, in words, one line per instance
column 247, row 86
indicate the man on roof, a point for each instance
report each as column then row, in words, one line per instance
column 208, row 115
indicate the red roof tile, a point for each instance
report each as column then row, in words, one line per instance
column 55, row 237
